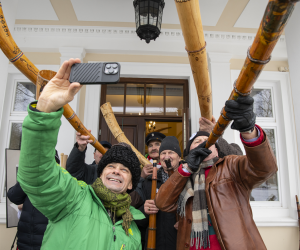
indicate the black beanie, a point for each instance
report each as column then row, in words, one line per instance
column 124, row 155
column 170, row 143
column 193, row 137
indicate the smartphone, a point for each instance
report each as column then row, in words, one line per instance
column 95, row 73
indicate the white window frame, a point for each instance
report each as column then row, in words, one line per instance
column 283, row 212
column 9, row 116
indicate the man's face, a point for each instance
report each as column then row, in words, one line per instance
column 173, row 156
column 153, row 149
column 98, row 156
column 117, row 178
column 200, row 139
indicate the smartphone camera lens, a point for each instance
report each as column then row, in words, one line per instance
column 108, row 66
column 111, row 71
column 115, row 66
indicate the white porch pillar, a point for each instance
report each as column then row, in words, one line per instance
column 9, row 11
column 292, row 36
column 92, row 116
column 66, row 136
column 219, row 64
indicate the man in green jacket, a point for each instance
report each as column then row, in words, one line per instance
column 80, row 216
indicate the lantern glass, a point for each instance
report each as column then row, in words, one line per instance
column 148, row 18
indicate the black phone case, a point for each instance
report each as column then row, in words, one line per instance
column 93, row 73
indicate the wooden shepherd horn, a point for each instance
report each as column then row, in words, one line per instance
column 117, row 132
column 191, row 25
column 272, row 25
column 17, row 58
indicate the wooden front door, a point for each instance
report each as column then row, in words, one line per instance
column 133, row 128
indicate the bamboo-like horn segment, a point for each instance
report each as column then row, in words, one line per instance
column 272, row 25
column 18, row 59
column 115, row 129
column 191, row 25
column 151, row 243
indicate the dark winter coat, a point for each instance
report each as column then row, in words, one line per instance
column 32, row 224
column 166, row 234
column 79, row 169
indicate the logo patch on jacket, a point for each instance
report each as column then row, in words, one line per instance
column 130, row 232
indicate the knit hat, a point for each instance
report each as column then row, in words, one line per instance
column 124, row 155
column 193, row 137
column 170, row 143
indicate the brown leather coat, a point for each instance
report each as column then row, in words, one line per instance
column 227, row 187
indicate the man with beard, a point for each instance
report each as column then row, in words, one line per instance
column 211, row 194
column 165, row 230
column 81, row 216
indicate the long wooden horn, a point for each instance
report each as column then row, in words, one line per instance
column 17, row 58
column 117, row 132
column 191, row 25
column 272, row 25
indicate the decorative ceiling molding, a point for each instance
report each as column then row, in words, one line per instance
column 106, row 31
column 124, row 40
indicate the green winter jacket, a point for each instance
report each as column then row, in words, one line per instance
column 77, row 217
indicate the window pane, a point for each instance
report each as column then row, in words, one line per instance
column 135, row 99
column 15, row 136
column 25, row 94
column 268, row 191
column 262, row 102
column 174, row 100
column 154, row 99
column 115, row 95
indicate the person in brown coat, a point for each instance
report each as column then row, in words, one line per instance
column 211, row 194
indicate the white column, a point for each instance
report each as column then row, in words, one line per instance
column 66, row 136
column 219, row 65
column 9, row 11
column 292, row 36
column 92, row 116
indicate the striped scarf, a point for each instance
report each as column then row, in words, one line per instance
column 195, row 187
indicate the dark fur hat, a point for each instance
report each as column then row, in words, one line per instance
column 122, row 153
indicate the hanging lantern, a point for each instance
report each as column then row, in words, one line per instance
column 148, row 18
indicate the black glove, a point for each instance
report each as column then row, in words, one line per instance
column 241, row 112
column 196, row 156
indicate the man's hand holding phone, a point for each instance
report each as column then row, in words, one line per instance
column 58, row 90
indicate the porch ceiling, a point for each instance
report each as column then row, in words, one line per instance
column 217, row 15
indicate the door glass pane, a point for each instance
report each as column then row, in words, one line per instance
column 154, row 99
column 174, row 100
column 262, row 102
column 135, row 99
column 115, row 95
column 25, row 94
column 15, row 136
column 268, row 191
column 167, row 128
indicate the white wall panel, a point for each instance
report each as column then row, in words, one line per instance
column 36, row 10
column 252, row 14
